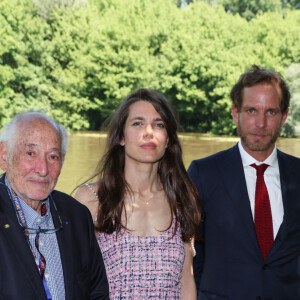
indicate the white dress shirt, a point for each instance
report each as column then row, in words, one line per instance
column 272, row 180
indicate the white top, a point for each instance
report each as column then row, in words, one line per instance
column 272, row 181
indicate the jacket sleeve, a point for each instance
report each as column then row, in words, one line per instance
column 99, row 284
column 193, row 172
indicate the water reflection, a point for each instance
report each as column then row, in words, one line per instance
column 86, row 148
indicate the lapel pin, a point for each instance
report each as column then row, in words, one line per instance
column 6, row 226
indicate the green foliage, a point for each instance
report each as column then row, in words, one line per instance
column 292, row 126
column 47, row 7
column 249, row 9
column 22, row 81
column 79, row 64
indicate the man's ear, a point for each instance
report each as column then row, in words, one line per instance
column 284, row 117
column 3, row 156
column 235, row 114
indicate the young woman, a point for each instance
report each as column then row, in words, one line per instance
column 145, row 207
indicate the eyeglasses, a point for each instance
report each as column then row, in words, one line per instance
column 39, row 230
column 46, row 230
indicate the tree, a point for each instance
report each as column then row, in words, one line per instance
column 249, row 9
column 79, row 65
column 47, row 7
column 292, row 125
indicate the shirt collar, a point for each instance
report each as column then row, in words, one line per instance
column 247, row 159
column 31, row 216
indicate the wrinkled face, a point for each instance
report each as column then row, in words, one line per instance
column 145, row 137
column 259, row 121
column 36, row 160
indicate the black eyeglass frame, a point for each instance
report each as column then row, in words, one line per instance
column 39, row 230
column 42, row 230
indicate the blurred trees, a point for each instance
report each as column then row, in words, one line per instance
column 249, row 9
column 78, row 62
column 292, row 125
column 47, row 7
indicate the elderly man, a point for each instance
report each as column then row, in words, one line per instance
column 251, row 201
column 48, row 249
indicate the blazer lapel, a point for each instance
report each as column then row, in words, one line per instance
column 65, row 244
column 291, row 205
column 16, row 239
column 290, row 190
column 232, row 171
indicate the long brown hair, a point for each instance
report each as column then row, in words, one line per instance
column 179, row 189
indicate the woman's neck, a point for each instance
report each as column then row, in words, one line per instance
column 143, row 178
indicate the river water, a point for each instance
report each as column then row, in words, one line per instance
column 86, row 148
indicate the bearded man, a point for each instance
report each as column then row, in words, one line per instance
column 250, row 247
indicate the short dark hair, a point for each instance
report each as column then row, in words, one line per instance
column 256, row 75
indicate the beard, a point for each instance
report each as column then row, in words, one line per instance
column 257, row 144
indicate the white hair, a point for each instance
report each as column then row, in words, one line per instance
column 10, row 130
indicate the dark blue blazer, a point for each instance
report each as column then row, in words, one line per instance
column 229, row 263
column 83, row 268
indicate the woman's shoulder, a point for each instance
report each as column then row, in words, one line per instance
column 87, row 195
column 87, row 192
